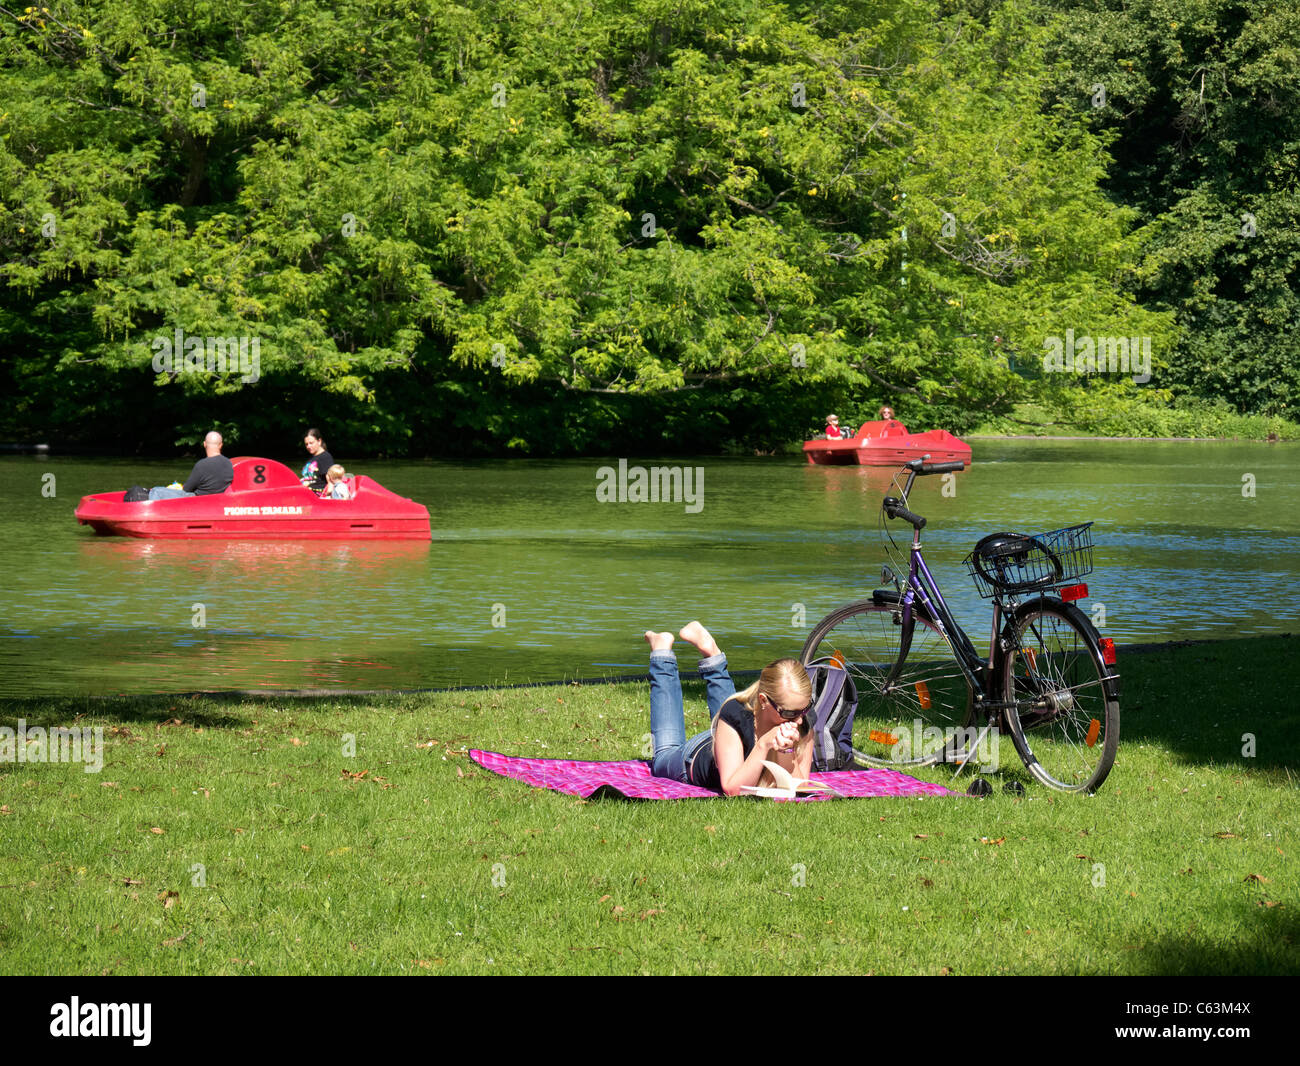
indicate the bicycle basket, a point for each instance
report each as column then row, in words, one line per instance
column 1022, row 562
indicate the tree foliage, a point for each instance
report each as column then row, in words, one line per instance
column 556, row 227
column 1202, row 102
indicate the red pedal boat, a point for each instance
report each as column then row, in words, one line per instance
column 265, row 501
column 887, row 444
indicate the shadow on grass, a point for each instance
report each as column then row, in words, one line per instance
column 1227, row 703
column 197, row 711
column 1272, row 947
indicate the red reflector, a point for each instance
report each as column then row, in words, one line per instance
column 1108, row 651
column 1074, row 592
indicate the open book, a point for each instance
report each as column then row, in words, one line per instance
column 787, row 785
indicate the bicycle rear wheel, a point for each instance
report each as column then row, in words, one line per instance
column 922, row 716
column 1061, row 714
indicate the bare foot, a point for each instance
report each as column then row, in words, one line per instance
column 701, row 638
column 659, row 641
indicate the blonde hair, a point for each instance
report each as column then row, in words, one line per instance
column 783, row 675
column 334, row 472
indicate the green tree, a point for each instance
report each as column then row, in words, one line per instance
column 710, row 211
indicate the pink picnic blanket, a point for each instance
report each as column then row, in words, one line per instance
column 631, row 779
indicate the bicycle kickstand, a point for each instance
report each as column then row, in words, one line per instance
column 973, row 749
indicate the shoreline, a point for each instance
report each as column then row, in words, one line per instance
column 1185, row 440
column 44, row 450
column 616, row 679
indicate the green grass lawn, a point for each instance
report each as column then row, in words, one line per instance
column 236, row 836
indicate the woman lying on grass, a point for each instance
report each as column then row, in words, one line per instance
column 764, row 722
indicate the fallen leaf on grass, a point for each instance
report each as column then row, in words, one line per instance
column 1256, row 877
column 603, row 898
column 1226, row 836
column 921, row 836
column 169, row 897
column 999, row 840
column 108, row 784
column 649, row 914
column 305, row 847
column 355, row 776
column 1268, row 903
column 156, row 830
column 175, row 940
column 131, row 881
column 1087, row 857
column 295, row 742
column 5, row 810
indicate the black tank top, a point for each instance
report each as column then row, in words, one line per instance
column 704, row 770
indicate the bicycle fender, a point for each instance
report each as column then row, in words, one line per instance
column 1109, row 681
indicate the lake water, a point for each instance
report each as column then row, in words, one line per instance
column 529, row 577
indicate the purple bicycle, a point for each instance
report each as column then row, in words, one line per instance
column 926, row 695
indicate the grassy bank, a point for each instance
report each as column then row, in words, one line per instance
column 1129, row 417
column 237, row 835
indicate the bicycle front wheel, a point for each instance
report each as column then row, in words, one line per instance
column 1060, row 711
column 919, row 717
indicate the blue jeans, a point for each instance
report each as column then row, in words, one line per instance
column 673, row 752
column 158, row 492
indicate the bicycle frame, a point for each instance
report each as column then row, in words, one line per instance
column 921, row 587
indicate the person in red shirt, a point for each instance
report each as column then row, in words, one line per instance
column 833, row 431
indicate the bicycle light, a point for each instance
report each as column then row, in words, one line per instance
column 1108, row 651
column 1074, row 592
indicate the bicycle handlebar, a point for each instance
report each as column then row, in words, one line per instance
column 895, row 509
column 920, row 466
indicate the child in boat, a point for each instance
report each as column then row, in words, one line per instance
column 833, row 427
column 764, row 722
column 335, row 487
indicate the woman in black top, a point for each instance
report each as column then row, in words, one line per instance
column 764, row 722
column 313, row 471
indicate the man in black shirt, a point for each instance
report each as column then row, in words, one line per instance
column 313, row 471
column 211, row 474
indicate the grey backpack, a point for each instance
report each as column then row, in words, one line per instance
column 835, row 701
